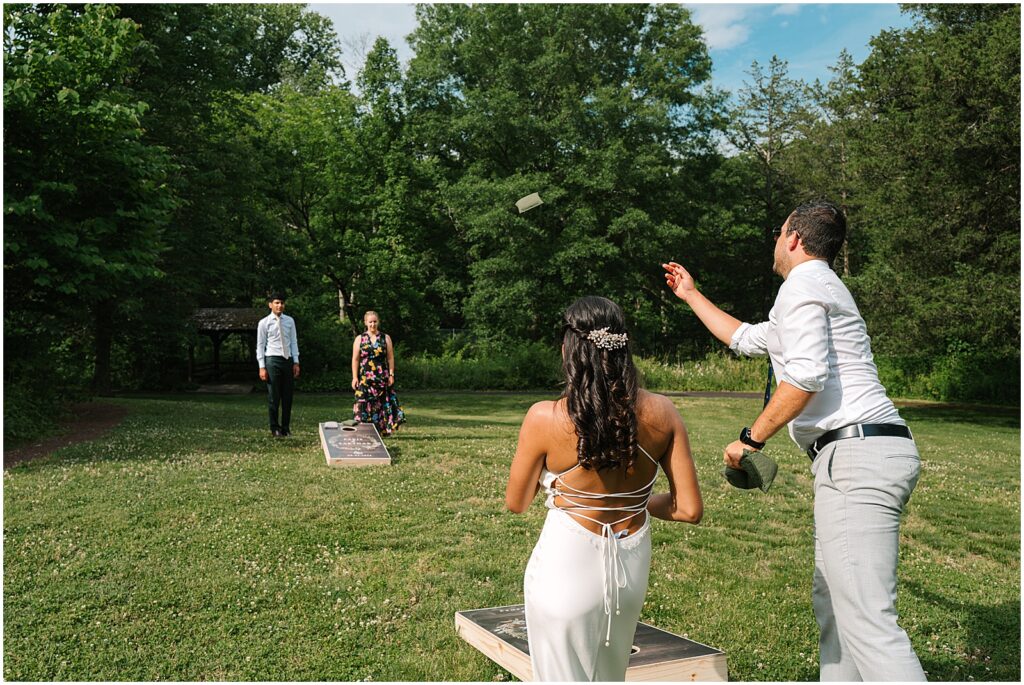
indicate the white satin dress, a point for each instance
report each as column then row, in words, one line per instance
column 584, row 591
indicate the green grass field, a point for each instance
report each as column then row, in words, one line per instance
column 189, row 545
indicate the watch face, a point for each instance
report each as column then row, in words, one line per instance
column 747, row 440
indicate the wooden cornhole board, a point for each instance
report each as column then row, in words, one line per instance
column 358, row 445
column 500, row 633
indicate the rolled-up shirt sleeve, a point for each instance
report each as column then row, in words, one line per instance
column 751, row 340
column 802, row 327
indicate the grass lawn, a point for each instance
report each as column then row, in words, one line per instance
column 190, row 545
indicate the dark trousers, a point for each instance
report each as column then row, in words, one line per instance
column 280, row 384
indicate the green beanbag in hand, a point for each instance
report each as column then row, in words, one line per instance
column 757, row 470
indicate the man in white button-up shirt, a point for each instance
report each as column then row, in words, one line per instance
column 864, row 459
column 277, row 352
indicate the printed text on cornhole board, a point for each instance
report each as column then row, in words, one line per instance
column 358, row 445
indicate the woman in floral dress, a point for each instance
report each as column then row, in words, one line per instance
column 373, row 378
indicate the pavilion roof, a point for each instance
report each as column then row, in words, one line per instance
column 228, row 318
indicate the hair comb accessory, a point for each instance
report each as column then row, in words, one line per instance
column 607, row 341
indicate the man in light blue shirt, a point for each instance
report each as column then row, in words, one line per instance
column 277, row 351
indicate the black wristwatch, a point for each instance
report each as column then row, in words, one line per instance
column 747, row 440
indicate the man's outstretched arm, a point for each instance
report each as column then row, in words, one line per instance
column 721, row 325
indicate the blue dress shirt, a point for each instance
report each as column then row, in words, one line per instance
column 276, row 337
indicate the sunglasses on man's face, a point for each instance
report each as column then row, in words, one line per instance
column 777, row 232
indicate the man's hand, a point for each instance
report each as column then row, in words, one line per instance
column 679, row 280
column 295, row 370
column 263, row 375
column 734, row 452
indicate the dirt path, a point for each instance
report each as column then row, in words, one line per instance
column 90, row 420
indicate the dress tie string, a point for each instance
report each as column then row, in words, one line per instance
column 615, row 571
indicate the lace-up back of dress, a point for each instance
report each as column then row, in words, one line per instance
column 580, row 502
column 586, row 504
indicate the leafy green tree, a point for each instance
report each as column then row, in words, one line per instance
column 820, row 161
column 160, row 157
column 223, row 250
column 601, row 110
column 765, row 123
column 113, row 133
column 86, row 197
column 395, row 200
column 940, row 152
column 346, row 196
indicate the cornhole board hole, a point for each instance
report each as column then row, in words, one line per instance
column 500, row 633
column 358, row 445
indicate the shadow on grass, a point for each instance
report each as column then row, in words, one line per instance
column 482, row 436
column 992, row 643
column 395, row 452
column 183, row 424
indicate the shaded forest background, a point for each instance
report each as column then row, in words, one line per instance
column 159, row 158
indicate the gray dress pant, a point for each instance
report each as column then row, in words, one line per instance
column 860, row 488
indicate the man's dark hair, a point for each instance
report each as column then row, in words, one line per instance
column 822, row 228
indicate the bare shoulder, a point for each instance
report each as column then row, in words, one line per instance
column 542, row 412
column 656, row 411
column 655, row 407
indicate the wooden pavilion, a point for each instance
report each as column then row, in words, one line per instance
column 218, row 324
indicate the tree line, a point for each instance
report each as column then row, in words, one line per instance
column 164, row 157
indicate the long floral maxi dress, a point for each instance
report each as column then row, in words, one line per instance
column 376, row 401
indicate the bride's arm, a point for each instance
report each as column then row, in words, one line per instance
column 523, row 478
column 683, row 501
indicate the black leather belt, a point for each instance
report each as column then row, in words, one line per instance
column 867, row 430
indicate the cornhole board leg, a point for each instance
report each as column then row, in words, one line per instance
column 358, row 445
column 500, row 634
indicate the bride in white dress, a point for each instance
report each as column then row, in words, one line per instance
column 595, row 452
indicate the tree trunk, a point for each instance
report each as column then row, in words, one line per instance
column 846, row 240
column 342, row 314
column 104, row 336
column 766, row 274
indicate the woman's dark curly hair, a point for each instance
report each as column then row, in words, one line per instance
column 600, row 386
